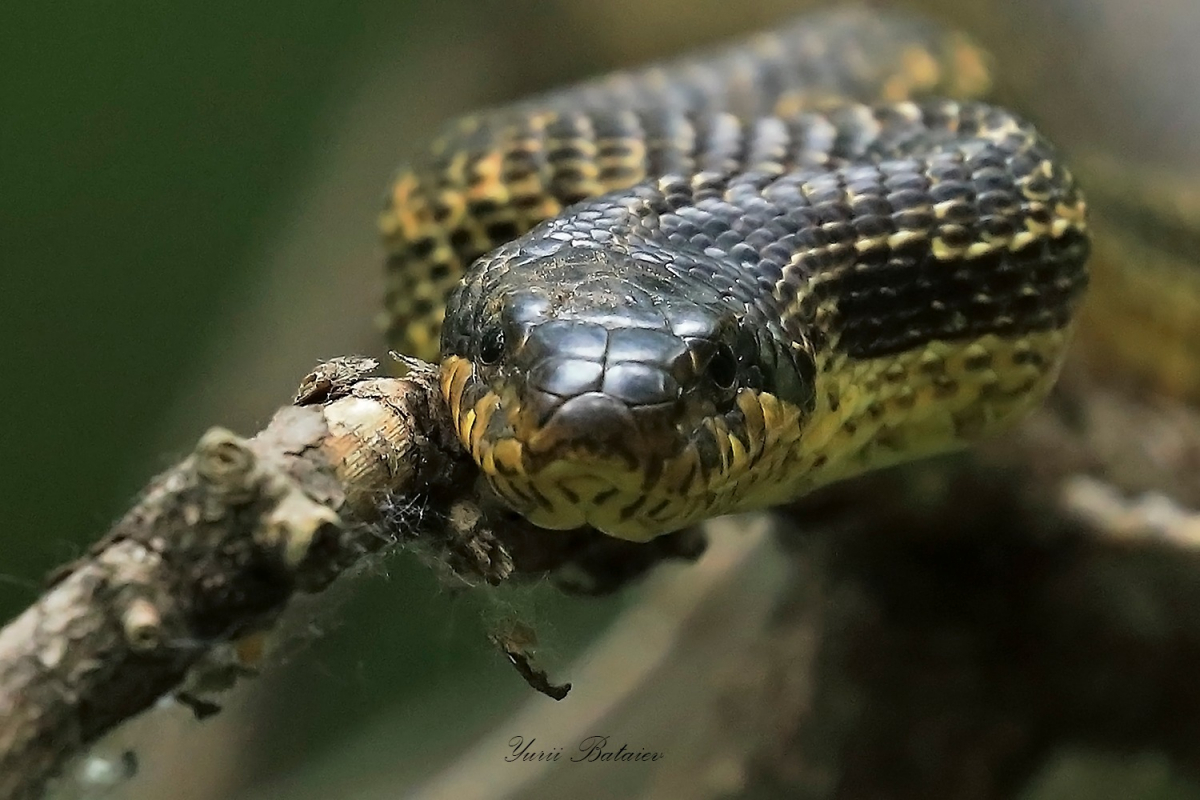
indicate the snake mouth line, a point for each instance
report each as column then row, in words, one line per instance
column 590, row 430
column 594, row 429
column 621, row 488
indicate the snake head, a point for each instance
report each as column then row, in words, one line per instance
column 596, row 386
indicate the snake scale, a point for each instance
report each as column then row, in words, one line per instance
column 715, row 284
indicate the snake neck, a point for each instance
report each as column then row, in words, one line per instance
column 875, row 413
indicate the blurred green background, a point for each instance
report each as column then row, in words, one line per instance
column 145, row 148
column 187, row 225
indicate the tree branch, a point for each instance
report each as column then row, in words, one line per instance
column 176, row 599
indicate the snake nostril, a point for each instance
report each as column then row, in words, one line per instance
column 723, row 368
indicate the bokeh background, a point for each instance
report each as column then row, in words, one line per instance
column 187, row 204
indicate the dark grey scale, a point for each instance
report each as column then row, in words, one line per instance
column 423, row 247
column 812, row 138
column 1025, row 162
column 948, row 191
column 907, row 186
column 781, row 227
column 460, row 239
column 687, row 231
column 963, row 213
column 565, row 137
column 744, row 254
column 521, row 163
column 614, row 152
column 719, row 144
column 906, row 201
column 1041, row 214
column 825, row 195
column 670, row 141
column 944, row 171
column 524, row 153
column 864, row 184
column 998, row 226
column 956, row 236
column 699, row 241
column 768, row 146
column 785, row 191
column 986, row 168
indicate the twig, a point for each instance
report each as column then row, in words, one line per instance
column 209, row 555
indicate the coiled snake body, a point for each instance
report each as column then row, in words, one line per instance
column 716, row 284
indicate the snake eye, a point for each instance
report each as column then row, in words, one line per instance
column 491, row 346
column 723, row 368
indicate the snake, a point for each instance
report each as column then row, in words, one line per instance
column 716, row 283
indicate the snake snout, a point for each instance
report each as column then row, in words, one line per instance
column 596, row 393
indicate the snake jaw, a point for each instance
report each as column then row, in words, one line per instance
column 631, row 484
column 592, row 464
